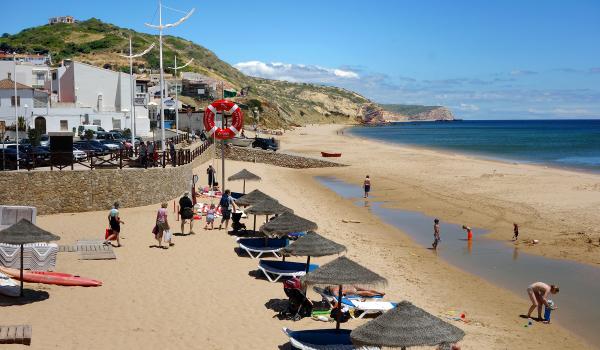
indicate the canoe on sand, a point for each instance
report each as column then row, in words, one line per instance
column 61, row 279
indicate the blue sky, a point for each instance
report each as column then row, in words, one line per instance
column 483, row 59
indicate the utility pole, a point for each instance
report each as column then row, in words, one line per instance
column 131, row 56
column 16, row 103
column 223, row 126
column 160, row 28
column 177, row 95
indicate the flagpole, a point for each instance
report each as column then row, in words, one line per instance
column 176, row 94
column 16, row 111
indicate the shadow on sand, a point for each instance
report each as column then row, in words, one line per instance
column 30, row 296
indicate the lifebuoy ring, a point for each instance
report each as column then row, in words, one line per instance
column 223, row 107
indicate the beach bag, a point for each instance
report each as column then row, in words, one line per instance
column 108, row 233
column 155, row 230
column 167, row 235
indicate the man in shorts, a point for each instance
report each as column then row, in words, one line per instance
column 186, row 211
column 227, row 205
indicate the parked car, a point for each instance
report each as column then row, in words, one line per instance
column 111, row 144
column 92, row 146
column 78, row 155
column 266, row 144
column 45, row 140
column 8, row 158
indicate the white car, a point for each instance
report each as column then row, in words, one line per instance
column 78, row 154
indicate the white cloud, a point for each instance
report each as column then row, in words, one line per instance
column 467, row 107
column 295, row 72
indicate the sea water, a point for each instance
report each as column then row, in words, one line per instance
column 501, row 263
column 571, row 144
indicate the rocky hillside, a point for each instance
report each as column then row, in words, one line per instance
column 282, row 103
column 396, row 112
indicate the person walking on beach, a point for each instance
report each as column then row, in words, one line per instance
column 162, row 225
column 186, row 210
column 227, row 204
column 515, row 231
column 210, row 217
column 210, row 171
column 538, row 294
column 114, row 222
column 436, row 233
column 367, row 186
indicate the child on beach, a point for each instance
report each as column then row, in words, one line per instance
column 538, row 294
column 515, row 231
column 469, row 232
column 436, row 233
column 210, row 217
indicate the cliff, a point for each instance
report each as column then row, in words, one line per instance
column 396, row 112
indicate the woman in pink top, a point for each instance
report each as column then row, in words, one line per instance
column 538, row 293
column 162, row 224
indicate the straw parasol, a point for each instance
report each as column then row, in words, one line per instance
column 342, row 271
column 252, row 197
column 269, row 206
column 287, row 223
column 244, row 175
column 404, row 326
column 24, row 232
column 313, row 244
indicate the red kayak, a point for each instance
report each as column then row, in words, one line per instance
column 329, row 155
column 61, row 279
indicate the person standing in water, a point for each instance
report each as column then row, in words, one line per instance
column 515, row 231
column 367, row 186
column 469, row 232
column 538, row 293
column 436, row 233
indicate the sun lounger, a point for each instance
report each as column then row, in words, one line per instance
column 369, row 306
column 323, row 339
column 256, row 247
column 275, row 269
column 36, row 256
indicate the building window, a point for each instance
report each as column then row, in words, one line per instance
column 54, row 75
column 64, row 125
column 12, row 101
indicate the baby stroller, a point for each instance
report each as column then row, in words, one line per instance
column 298, row 304
column 236, row 225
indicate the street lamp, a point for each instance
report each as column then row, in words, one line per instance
column 176, row 94
column 131, row 56
column 16, row 103
column 160, row 28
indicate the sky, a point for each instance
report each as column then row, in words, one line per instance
column 502, row 59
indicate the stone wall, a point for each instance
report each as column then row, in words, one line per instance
column 87, row 190
column 247, row 154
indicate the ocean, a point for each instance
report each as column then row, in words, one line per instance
column 573, row 144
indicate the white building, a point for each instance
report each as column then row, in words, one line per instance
column 61, row 19
column 80, row 94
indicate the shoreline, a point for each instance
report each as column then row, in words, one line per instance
column 505, row 161
column 563, row 232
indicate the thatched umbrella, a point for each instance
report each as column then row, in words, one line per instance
column 313, row 244
column 404, row 326
column 287, row 223
column 244, row 175
column 342, row 271
column 267, row 207
column 252, row 197
column 24, row 232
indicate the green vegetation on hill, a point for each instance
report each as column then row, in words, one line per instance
column 408, row 110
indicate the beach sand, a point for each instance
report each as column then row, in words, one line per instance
column 200, row 294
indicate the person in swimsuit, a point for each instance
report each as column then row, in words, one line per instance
column 436, row 233
column 538, row 294
column 114, row 222
column 367, row 186
column 352, row 290
column 515, row 231
column 469, row 232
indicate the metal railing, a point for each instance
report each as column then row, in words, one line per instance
column 135, row 157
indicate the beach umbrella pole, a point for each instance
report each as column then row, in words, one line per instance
column 21, row 291
column 339, row 307
column 244, row 186
column 307, row 263
column 254, row 229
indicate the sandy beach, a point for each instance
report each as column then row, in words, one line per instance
column 200, row 294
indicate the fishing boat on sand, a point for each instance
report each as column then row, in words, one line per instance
column 330, row 154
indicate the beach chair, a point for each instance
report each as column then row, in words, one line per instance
column 323, row 339
column 36, row 256
column 256, row 247
column 275, row 269
column 367, row 305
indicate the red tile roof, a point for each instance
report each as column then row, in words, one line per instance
column 9, row 84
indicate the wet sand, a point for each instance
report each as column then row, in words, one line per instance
column 200, row 295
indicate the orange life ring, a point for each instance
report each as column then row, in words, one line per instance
column 228, row 108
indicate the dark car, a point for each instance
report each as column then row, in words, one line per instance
column 266, row 144
column 8, row 158
column 92, row 146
